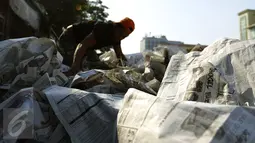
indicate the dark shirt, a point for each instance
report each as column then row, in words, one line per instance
column 104, row 36
column 103, row 31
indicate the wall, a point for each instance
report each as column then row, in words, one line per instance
column 142, row 45
column 25, row 12
column 14, row 26
column 148, row 43
column 252, row 33
column 251, row 21
column 18, row 28
column 4, row 12
column 251, row 17
column 246, row 20
column 243, row 23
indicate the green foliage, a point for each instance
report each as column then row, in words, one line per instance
column 62, row 13
column 91, row 10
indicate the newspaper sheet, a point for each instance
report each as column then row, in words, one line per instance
column 61, row 79
column 86, row 76
column 132, row 79
column 59, row 135
column 33, row 58
column 87, row 117
column 24, row 80
column 43, row 83
column 222, row 74
column 26, row 108
column 160, row 120
column 64, row 68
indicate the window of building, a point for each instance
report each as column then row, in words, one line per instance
column 252, row 31
column 243, row 23
column 156, row 43
column 147, row 42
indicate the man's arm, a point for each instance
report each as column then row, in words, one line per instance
column 118, row 52
column 81, row 50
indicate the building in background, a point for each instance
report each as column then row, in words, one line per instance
column 247, row 24
column 150, row 42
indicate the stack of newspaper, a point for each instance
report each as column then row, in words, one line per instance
column 204, row 97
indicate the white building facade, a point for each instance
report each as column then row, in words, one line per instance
column 247, row 24
column 148, row 43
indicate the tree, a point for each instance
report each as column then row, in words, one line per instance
column 65, row 12
column 60, row 12
column 91, row 10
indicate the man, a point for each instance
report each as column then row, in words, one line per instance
column 79, row 39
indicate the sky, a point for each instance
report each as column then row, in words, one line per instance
column 189, row 21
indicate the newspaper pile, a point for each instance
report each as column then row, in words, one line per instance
column 222, row 74
column 33, row 84
column 203, row 97
column 146, row 118
column 59, row 115
column 128, row 78
column 105, row 61
column 31, row 108
column 24, row 61
column 37, row 65
column 81, row 112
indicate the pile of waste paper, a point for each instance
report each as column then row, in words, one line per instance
column 159, row 96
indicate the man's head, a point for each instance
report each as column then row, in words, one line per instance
column 125, row 27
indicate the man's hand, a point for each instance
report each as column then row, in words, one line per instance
column 119, row 53
column 70, row 73
column 123, row 57
column 121, row 62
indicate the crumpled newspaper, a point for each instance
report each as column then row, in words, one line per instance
column 33, row 58
column 110, row 58
column 82, row 112
column 31, row 108
column 113, row 81
column 155, row 56
column 105, row 61
column 145, row 118
column 86, row 79
column 154, row 84
column 129, row 78
column 153, row 69
column 221, row 74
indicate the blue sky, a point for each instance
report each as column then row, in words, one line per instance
column 190, row 21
